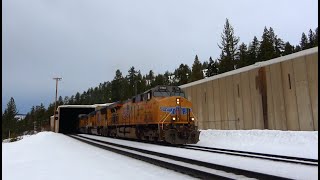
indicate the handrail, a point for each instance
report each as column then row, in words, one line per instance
column 195, row 119
column 164, row 119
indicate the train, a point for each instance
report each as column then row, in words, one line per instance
column 160, row 114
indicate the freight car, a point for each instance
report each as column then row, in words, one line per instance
column 159, row 114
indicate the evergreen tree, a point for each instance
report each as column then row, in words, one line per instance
column 278, row 46
column 253, row 51
column 150, row 78
column 159, row 79
column 267, row 50
column 304, row 44
column 141, row 83
column 8, row 120
column 228, row 48
column 77, row 98
column 66, row 100
column 132, row 81
column 288, row 49
column 182, row 74
column 212, row 68
column 297, row 48
column 205, row 65
column 60, row 101
column 117, row 87
column 196, row 73
column 243, row 56
column 311, row 37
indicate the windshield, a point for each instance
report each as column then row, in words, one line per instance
column 165, row 94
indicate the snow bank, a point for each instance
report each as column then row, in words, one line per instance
column 53, row 156
column 291, row 143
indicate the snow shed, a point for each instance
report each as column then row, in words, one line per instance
column 280, row 94
column 67, row 121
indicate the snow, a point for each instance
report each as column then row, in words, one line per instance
column 289, row 143
column 49, row 155
column 53, row 156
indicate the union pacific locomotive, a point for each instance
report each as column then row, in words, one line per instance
column 160, row 114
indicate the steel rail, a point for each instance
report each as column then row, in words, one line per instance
column 226, row 169
column 274, row 157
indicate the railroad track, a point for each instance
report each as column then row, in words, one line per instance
column 195, row 168
column 273, row 157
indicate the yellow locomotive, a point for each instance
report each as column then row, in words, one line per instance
column 159, row 114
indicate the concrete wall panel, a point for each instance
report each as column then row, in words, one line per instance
column 271, row 120
column 211, row 104
column 303, row 96
column 217, row 104
column 230, row 103
column 237, row 94
column 199, row 92
column 194, row 103
column 204, row 106
column 312, row 72
column 278, row 99
column 246, row 103
column 223, row 103
column 256, row 101
column 290, row 98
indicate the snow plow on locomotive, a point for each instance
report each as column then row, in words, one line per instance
column 161, row 114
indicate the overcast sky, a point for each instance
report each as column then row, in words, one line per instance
column 86, row 41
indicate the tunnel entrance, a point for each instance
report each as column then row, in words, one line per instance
column 68, row 118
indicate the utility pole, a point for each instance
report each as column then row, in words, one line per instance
column 55, row 104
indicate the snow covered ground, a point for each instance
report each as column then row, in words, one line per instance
column 48, row 155
column 290, row 143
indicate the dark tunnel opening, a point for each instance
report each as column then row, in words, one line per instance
column 68, row 120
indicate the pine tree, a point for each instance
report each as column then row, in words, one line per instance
column 311, row 37
column 9, row 121
column 60, row 101
column 253, row 51
column 66, row 100
column 212, row 68
column 159, row 79
column 242, row 61
column 117, row 87
column 141, row 85
column 228, row 48
column 297, row 48
column 288, row 49
column 150, row 78
column 196, row 73
column 182, row 74
column 304, row 42
column 267, row 50
column 132, row 80
column 278, row 46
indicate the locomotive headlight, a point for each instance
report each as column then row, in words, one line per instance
column 192, row 119
column 178, row 100
column 173, row 118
